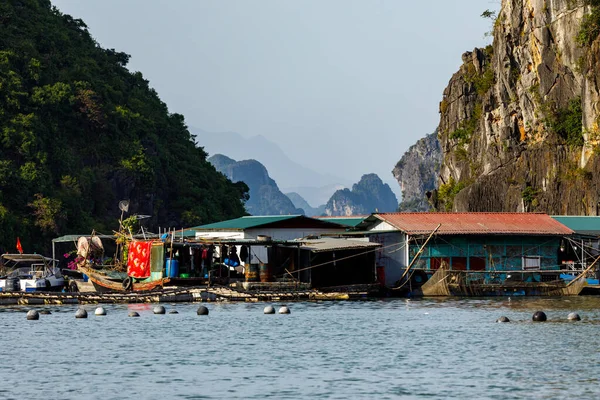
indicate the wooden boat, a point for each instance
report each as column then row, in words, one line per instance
column 104, row 283
column 445, row 282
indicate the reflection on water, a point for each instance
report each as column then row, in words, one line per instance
column 440, row 348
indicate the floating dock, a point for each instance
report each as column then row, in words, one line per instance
column 183, row 295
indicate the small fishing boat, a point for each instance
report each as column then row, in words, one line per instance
column 29, row 273
column 114, row 282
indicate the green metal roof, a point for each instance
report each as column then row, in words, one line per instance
column 581, row 224
column 246, row 222
column 347, row 221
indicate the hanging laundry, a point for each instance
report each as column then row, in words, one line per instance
column 244, row 253
column 224, row 252
column 234, row 260
column 138, row 259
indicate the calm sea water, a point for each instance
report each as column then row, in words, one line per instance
column 323, row 350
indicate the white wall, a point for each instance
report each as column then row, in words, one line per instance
column 219, row 235
column 382, row 226
column 392, row 255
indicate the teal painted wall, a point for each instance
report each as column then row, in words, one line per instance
column 500, row 253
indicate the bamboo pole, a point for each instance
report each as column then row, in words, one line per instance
column 583, row 273
column 419, row 252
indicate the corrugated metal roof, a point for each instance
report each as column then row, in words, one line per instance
column 586, row 225
column 475, row 223
column 246, row 222
column 256, row 221
column 352, row 221
column 331, row 244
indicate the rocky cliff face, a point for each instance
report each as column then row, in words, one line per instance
column 370, row 194
column 265, row 196
column 417, row 172
column 519, row 120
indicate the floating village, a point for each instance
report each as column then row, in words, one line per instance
column 294, row 257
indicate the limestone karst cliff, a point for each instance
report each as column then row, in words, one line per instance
column 369, row 195
column 265, row 197
column 519, row 120
column 417, row 173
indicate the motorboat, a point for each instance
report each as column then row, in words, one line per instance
column 29, row 273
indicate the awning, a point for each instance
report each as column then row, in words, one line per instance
column 26, row 258
column 331, row 244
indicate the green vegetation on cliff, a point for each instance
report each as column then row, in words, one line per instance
column 79, row 132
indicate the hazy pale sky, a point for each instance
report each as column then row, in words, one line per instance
column 342, row 86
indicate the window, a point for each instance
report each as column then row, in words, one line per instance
column 531, row 263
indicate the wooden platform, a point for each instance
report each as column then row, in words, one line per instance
column 175, row 295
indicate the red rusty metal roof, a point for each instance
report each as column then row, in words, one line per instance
column 475, row 223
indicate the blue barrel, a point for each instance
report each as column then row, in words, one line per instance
column 172, row 268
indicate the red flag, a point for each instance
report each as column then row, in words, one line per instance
column 19, row 247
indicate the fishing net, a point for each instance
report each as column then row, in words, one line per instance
column 437, row 285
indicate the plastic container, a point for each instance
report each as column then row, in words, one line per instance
column 184, row 275
column 156, row 276
column 172, row 268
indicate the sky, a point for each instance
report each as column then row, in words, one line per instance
column 342, row 86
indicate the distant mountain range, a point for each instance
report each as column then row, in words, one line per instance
column 316, row 188
column 265, row 196
column 303, row 204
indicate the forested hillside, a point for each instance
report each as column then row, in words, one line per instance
column 79, row 132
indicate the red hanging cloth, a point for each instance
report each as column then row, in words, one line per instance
column 138, row 259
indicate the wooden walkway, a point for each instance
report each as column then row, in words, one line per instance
column 174, row 295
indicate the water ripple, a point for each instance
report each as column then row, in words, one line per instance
column 417, row 348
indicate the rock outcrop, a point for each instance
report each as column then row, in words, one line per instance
column 519, row 120
column 265, row 196
column 417, row 173
column 370, row 194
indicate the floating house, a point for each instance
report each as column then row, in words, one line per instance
column 277, row 227
column 274, row 227
column 464, row 242
column 328, row 262
column 583, row 247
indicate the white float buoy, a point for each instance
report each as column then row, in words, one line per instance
column 202, row 310
column 573, row 317
column 33, row 315
column 159, row 310
column 81, row 313
column 269, row 310
column 134, row 314
column 284, row 310
column 503, row 319
column 100, row 311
